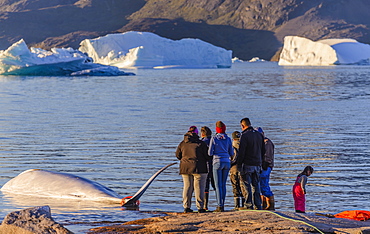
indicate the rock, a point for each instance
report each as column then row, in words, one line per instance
column 36, row 220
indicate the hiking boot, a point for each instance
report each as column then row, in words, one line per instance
column 246, row 208
column 206, row 198
column 202, row 211
column 270, row 203
column 264, row 202
column 236, row 203
column 188, row 210
column 219, row 209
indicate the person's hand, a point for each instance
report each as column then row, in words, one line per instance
column 265, row 165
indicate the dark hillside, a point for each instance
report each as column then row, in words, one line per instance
column 37, row 20
column 248, row 27
column 314, row 19
column 240, row 41
column 331, row 19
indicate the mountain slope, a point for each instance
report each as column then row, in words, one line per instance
column 314, row 19
column 244, row 43
column 36, row 20
column 248, row 27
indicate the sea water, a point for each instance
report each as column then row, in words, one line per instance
column 118, row 131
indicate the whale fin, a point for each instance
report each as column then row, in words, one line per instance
column 133, row 200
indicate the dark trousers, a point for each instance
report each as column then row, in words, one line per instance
column 251, row 186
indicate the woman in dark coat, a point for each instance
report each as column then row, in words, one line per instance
column 193, row 156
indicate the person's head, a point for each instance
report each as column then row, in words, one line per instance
column 260, row 130
column 205, row 131
column 220, row 127
column 193, row 129
column 245, row 123
column 307, row 171
column 235, row 135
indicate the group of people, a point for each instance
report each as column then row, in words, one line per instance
column 207, row 160
column 248, row 159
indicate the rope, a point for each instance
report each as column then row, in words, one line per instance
column 300, row 221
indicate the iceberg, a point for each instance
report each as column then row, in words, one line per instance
column 237, row 60
column 256, row 59
column 148, row 50
column 302, row 51
column 252, row 60
column 19, row 60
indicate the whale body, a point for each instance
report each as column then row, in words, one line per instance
column 45, row 183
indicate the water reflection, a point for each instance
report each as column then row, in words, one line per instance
column 117, row 131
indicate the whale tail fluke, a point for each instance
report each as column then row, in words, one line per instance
column 127, row 199
column 133, row 201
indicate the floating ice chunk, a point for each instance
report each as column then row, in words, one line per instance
column 19, row 60
column 237, row 60
column 256, row 59
column 302, row 51
column 148, row 50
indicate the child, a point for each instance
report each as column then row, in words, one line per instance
column 299, row 190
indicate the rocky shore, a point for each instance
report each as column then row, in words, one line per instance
column 38, row 220
column 238, row 222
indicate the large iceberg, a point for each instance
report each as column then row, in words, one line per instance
column 302, row 51
column 19, row 60
column 148, row 50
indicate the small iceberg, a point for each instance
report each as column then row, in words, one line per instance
column 148, row 50
column 304, row 52
column 21, row 61
column 237, row 60
column 256, row 60
column 252, row 60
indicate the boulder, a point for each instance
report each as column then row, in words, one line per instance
column 36, row 220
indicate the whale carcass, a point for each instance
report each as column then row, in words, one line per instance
column 45, row 183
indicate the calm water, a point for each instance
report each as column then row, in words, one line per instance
column 119, row 130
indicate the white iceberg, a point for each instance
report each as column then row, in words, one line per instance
column 148, row 50
column 237, row 60
column 302, row 51
column 252, row 60
column 19, row 60
column 256, row 59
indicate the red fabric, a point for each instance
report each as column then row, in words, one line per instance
column 299, row 197
column 221, row 130
column 360, row 215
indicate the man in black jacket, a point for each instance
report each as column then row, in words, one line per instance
column 249, row 161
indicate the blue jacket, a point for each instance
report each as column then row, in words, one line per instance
column 221, row 148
